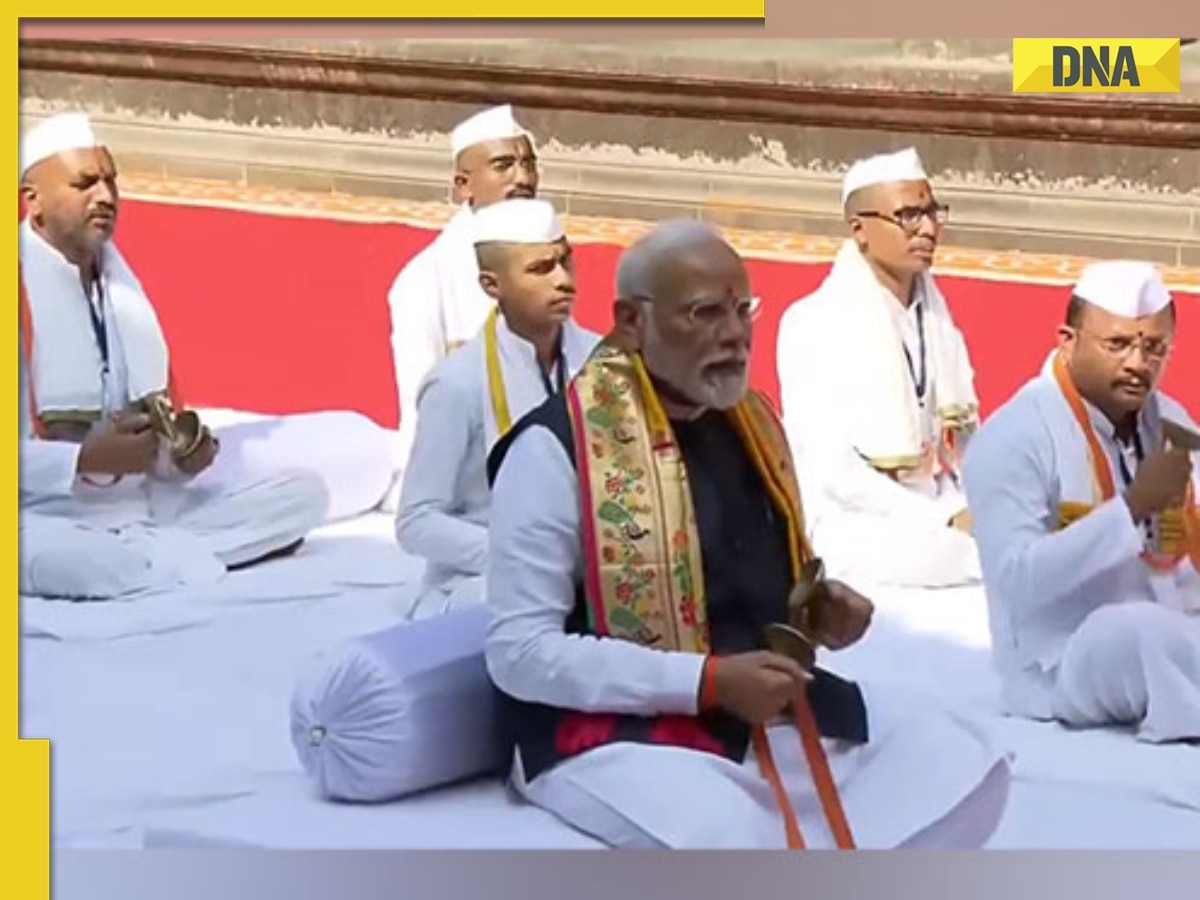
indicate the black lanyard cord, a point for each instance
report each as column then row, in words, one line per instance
column 96, row 313
column 560, row 375
column 919, row 383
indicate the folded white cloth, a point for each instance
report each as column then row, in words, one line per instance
column 354, row 457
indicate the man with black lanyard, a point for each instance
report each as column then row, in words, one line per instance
column 878, row 391
column 106, row 509
column 527, row 350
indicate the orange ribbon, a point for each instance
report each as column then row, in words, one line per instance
column 822, row 775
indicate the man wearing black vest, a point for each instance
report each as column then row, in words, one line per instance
column 646, row 530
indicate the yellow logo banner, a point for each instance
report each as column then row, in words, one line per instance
column 1096, row 65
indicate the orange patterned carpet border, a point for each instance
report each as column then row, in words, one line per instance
column 1002, row 265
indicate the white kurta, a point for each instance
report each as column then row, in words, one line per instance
column 436, row 304
column 444, row 500
column 82, row 541
column 1082, row 629
column 170, row 530
column 847, row 395
column 928, row 777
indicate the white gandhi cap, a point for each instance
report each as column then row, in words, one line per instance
column 518, row 221
column 494, row 124
column 58, row 134
column 1125, row 288
column 884, row 168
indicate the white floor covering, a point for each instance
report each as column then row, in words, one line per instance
column 168, row 720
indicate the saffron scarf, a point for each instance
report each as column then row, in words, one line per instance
column 1179, row 529
column 643, row 575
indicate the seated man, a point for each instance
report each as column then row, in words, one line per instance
column 878, row 392
column 94, row 474
column 528, row 349
column 436, row 302
column 646, row 530
column 1082, row 495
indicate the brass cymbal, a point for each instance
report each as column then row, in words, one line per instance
column 1179, row 436
column 189, row 434
column 796, row 638
column 162, row 416
column 788, row 641
column 182, row 431
column 805, row 594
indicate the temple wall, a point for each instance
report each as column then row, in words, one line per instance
column 752, row 134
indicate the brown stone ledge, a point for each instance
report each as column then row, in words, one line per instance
column 1079, row 119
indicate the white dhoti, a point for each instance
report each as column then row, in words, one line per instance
column 163, row 535
column 896, row 551
column 241, row 521
column 1135, row 664
column 926, row 779
column 63, row 558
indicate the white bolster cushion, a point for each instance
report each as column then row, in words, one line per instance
column 399, row 711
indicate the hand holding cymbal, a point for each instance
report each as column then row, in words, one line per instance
column 821, row 613
column 796, row 639
column 182, row 430
column 788, row 641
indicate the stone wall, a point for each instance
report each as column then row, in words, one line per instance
column 753, row 134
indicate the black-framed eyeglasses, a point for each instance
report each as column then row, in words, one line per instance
column 1154, row 349
column 909, row 218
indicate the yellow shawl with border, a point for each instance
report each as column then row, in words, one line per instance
column 644, row 577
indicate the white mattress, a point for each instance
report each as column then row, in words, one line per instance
column 179, row 737
column 482, row 816
column 284, row 814
column 143, row 719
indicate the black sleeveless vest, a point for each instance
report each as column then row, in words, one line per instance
column 746, row 583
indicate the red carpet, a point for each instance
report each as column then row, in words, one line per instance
column 283, row 314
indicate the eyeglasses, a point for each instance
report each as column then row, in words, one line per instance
column 711, row 313
column 1155, row 349
column 909, row 218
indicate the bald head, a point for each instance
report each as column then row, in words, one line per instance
column 864, row 200
column 645, row 268
column 493, row 255
column 683, row 302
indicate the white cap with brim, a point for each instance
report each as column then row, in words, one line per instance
column 495, row 124
column 885, row 168
column 1126, row 288
column 518, row 221
column 58, row 134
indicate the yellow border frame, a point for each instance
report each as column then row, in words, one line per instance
column 26, row 763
